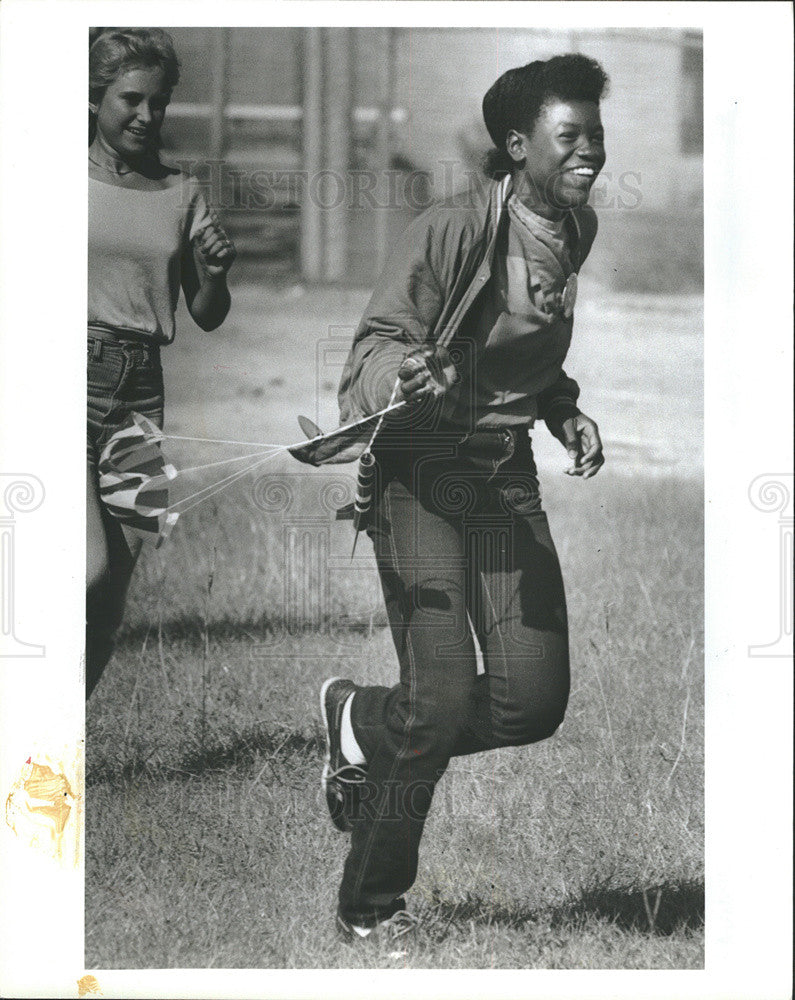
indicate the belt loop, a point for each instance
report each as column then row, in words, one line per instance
column 96, row 352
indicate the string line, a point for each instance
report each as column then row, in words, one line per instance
column 227, row 461
column 269, row 451
column 247, row 444
column 380, row 414
column 208, row 491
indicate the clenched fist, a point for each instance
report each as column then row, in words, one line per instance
column 425, row 373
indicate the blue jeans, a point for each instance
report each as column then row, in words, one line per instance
column 123, row 376
column 459, row 550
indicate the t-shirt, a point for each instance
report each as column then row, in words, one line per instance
column 519, row 333
column 135, row 244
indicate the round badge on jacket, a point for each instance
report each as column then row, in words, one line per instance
column 569, row 295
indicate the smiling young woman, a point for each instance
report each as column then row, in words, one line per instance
column 463, row 546
column 150, row 234
column 555, row 150
column 130, row 114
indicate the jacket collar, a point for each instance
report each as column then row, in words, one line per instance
column 500, row 194
column 498, row 203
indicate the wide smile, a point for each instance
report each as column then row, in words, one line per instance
column 138, row 133
column 588, row 172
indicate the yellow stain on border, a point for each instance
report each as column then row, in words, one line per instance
column 44, row 806
column 88, row 986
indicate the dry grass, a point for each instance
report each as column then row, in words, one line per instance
column 208, row 842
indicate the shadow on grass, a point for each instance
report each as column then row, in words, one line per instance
column 249, row 749
column 190, row 629
column 660, row 910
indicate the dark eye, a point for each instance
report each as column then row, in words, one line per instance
column 568, row 136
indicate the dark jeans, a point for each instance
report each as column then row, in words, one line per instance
column 455, row 546
column 123, row 376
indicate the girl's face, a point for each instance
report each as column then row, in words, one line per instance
column 563, row 156
column 131, row 111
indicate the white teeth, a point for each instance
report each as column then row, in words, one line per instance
column 583, row 171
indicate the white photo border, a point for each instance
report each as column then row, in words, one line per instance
column 748, row 404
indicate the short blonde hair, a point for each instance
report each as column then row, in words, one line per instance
column 119, row 49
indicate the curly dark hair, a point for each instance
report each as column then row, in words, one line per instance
column 515, row 100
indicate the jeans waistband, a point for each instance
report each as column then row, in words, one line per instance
column 492, row 442
column 98, row 338
column 487, row 449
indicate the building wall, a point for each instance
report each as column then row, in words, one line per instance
column 441, row 76
column 648, row 198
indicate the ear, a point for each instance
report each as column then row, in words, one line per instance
column 515, row 145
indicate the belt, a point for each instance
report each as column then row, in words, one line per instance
column 490, row 444
column 97, row 337
column 485, row 444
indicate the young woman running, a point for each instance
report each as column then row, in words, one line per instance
column 150, row 233
column 473, row 317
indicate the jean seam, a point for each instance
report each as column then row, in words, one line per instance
column 487, row 664
column 128, row 364
column 368, row 847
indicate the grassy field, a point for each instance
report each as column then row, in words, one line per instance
column 208, row 844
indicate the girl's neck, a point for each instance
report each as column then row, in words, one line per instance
column 103, row 155
column 526, row 193
column 534, row 221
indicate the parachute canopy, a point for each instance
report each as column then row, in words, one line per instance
column 134, row 479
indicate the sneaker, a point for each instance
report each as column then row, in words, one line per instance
column 397, row 926
column 341, row 780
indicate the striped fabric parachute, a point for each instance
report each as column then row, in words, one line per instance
column 134, row 479
column 137, row 485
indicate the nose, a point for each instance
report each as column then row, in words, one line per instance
column 591, row 151
column 143, row 113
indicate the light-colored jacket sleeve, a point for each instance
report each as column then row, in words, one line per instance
column 403, row 311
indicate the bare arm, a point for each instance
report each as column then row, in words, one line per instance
column 205, row 263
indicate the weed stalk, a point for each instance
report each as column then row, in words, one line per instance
column 206, row 651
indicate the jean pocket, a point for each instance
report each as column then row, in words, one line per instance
column 143, row 382
column 104, row 374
